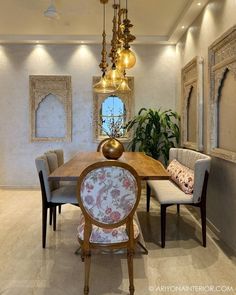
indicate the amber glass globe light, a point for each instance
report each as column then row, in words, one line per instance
column 104, row 86
column 127, row 59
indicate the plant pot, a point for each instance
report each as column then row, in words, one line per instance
column 112, row 149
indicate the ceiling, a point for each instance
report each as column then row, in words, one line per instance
column 155, row 21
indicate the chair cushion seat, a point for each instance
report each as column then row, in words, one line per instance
column 106, row 236
column 167, row 192
column 64, row 194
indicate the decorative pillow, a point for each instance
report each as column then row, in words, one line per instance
column 182, row 176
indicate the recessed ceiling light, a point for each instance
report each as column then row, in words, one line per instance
column 183, row 27
column 199, row 3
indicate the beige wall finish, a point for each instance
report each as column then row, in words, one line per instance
column 154, row 80
column 217, row 17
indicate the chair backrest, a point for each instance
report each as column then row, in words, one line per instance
column 43, row 167
column 196, row 161
column 53, row 164
column 109, row 193
column 60, row 156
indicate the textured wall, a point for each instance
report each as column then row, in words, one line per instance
column 218, row 17
column 154, row 78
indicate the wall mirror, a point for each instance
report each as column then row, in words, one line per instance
column 111, row 108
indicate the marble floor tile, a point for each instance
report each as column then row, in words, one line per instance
column 27, row 269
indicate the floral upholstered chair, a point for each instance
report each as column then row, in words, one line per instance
column 108, row 194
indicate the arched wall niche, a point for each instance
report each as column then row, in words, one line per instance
column 50, row 108
column 222, row 108
column 192, row 104
column 50, row 118
column 98, row 98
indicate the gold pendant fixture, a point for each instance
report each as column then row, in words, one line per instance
column 104, row 85
column 121, row 56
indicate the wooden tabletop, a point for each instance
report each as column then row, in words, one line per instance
column 146, row 167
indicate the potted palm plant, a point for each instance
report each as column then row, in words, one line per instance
column 154, row 132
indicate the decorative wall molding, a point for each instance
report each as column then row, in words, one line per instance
column 40, row 88
column 192, row 79
column 222, row 59
column 98, row 98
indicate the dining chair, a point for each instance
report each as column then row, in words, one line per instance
column 108, row 194
column 53, row 195
column 168, row 193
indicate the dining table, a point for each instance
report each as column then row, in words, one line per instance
column 146, row 167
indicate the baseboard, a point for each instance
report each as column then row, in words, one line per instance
column 214, row 233
column 19, row 187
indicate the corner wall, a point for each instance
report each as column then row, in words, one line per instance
column 154, row 80
column 217, row 17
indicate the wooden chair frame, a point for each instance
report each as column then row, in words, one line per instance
column 86, row 245
column 201, row 205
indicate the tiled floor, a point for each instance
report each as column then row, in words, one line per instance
column 25, row 268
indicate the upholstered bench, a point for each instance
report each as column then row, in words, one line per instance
column 168, row 193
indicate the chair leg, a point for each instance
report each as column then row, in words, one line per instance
column 148, row 190
column 178, row 207
column 50, row 215
column 163, row 225
column 87, row 262
column 203, row 218
column 54, row 218
column 59, row 209
column 130, row 255
column 44, row 225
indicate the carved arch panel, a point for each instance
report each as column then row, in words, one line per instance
column 47, row 92
column 222, row 103
column 98, row 99
column 192, row 104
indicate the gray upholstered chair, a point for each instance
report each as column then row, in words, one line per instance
column 167, row 193
column 60, row 161
column 53, row 195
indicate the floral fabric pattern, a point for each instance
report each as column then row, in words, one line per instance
column 109, row 194
column 106, row 236
column 182, row 176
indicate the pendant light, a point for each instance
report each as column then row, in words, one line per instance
column 104, row 85
column 114, row 75
column 127, row 58
column 124, row 85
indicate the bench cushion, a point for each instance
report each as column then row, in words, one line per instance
column 167, row 192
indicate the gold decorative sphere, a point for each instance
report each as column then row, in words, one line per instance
column 112, row 149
